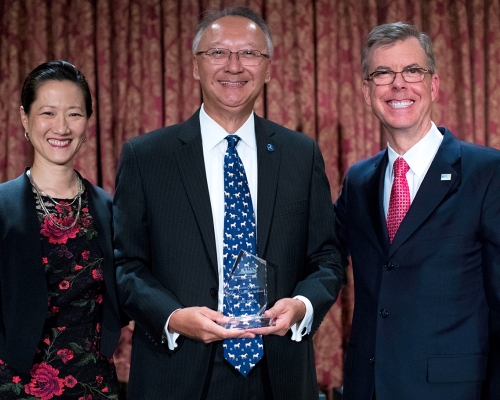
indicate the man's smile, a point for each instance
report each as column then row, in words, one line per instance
column 400, row 104
column 228, row 83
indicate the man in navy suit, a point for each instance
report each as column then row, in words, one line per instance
column 169, row 233
column 421, row 221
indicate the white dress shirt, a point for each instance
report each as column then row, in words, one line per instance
column 419, row 158
column 214, row 147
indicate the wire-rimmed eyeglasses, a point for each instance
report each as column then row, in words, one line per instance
column 245, row 57
column 410, row 75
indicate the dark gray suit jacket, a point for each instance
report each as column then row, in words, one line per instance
column 166, row 255
column 23, row 288
column 422, row 304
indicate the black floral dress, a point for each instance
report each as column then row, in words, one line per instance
column 68, row 364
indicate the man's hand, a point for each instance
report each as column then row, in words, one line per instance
column 286, row 312
column 201, row 323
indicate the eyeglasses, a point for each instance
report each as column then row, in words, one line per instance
column 222, row 56
column 410, row 75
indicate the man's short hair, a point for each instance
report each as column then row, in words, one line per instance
column 238, row 11
column 391, row 33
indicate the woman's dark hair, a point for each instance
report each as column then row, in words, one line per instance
column 54, row 71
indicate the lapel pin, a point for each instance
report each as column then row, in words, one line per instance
column 446, row 177
column 270, row 147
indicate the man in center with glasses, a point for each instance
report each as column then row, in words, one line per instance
column 188, row 198
column 421, row 221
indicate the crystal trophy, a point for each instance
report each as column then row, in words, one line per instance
column 245, row 293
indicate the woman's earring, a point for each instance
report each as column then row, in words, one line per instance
column 26, row 136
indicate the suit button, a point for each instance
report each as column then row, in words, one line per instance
column 383, row 313
column 389, row 266
column 213, row 292
column 372, row 360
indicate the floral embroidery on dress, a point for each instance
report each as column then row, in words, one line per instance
column 45, row 383
column 68, row 364
column 57, row 235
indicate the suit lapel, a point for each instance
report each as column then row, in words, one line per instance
column 191, row 165
column 433, row 189
column 268, row 162
column 374, row 190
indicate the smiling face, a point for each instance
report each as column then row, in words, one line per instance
column 403, row 108
column 231, row 89
column 57, row 123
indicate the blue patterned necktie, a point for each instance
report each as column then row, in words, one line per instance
column 239, row 234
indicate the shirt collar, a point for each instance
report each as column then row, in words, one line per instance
column 421, row 154
column 212, row 133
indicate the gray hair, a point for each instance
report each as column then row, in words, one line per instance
column 238, row 11
column 391, row 33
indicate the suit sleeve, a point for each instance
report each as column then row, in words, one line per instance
column 141, row 295
column 325, row 270
column 490, row 238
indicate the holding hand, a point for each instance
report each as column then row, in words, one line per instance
column 286, row 312
column 202, row 323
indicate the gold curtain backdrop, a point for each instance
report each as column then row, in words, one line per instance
column 136, row 55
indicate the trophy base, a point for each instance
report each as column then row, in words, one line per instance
column 248, row 322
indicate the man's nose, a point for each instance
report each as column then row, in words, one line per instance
column 399, row 81
column 233, row 63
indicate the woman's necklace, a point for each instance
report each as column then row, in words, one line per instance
column 44, row 208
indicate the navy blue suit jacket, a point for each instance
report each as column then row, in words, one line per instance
column 166, row 254
column 422, row 303
column 23, row 287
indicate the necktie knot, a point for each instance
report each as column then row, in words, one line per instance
column 400, row 167
column 232, row 141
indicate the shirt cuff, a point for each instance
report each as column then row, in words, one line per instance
column 302, row 328
column 171, row 337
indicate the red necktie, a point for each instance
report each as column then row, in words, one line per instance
column 399, row 202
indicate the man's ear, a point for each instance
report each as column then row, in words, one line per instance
column 268, row 72
column 366, row 91
column 196, row 73
column 434, row 86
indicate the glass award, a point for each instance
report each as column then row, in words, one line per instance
column 245, row 293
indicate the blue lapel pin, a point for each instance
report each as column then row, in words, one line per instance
column 446, row 177
column 270, row 147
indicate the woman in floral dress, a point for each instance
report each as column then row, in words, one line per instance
column 59, row 317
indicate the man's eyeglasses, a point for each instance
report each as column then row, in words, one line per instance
column 410, row 75
column 222, row 56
